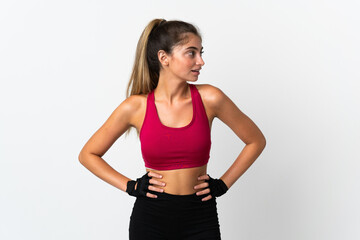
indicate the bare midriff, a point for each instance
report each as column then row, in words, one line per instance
column 180, row 181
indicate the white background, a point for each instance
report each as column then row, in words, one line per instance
column 291, row 66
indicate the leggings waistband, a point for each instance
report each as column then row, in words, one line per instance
column 168, row 196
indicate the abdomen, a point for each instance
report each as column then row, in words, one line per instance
column 180, row 181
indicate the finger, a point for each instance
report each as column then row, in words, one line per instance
column 156, row 189
column 204, row 177
column 150, row 195
column 206, row 191
column 201, row 185
column 154, row 174
column 156, row 182
column 207, row 198
column 201, row 177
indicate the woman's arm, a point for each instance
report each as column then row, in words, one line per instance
column 91, row 154
column 224, row 109
column 244, row 128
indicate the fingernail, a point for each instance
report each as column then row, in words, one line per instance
column 163, row 184
column 195, row 187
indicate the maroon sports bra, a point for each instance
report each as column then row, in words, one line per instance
column 167, row 148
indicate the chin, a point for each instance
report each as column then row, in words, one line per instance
column 192, row 80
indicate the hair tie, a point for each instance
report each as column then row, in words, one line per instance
column 162, row 21
column 155, row 27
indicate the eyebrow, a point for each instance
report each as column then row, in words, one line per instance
column 192, row 47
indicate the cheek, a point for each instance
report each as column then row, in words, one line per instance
column 186, row 65
column 183, row 65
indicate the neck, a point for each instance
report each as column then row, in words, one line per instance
column 172, row 91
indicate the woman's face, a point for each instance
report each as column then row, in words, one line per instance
column 186, row 60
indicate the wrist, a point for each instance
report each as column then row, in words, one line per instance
column 227, row 186
column 130, row 186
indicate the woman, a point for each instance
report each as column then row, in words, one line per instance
column 175, row 198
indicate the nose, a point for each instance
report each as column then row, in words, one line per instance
column 200, row 61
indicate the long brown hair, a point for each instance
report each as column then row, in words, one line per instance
column 159, row 34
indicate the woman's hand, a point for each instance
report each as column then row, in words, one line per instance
column 214, row 187
column 202, row 186
column 154, row 184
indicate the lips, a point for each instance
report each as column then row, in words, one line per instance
column 195, row 72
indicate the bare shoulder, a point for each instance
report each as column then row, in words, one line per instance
column 211, row 95
column 123, row 116
column 133, row 101
column 127, row 107
column 135, row 105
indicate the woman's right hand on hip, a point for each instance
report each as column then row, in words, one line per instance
column 141, row 186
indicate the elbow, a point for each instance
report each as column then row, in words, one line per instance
column 263, row 142
column 259, row 142
column 81, row 158
column 86, row 157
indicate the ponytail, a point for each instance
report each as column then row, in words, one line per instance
column 140, row 80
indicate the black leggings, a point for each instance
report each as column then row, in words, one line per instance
column 174, row 217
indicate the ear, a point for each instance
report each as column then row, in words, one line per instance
column 163, row 57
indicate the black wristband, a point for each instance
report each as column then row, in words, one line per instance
column 217, row 187
column 141, row 188
column 130, row 187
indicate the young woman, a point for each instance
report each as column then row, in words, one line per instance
column 175, row 198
